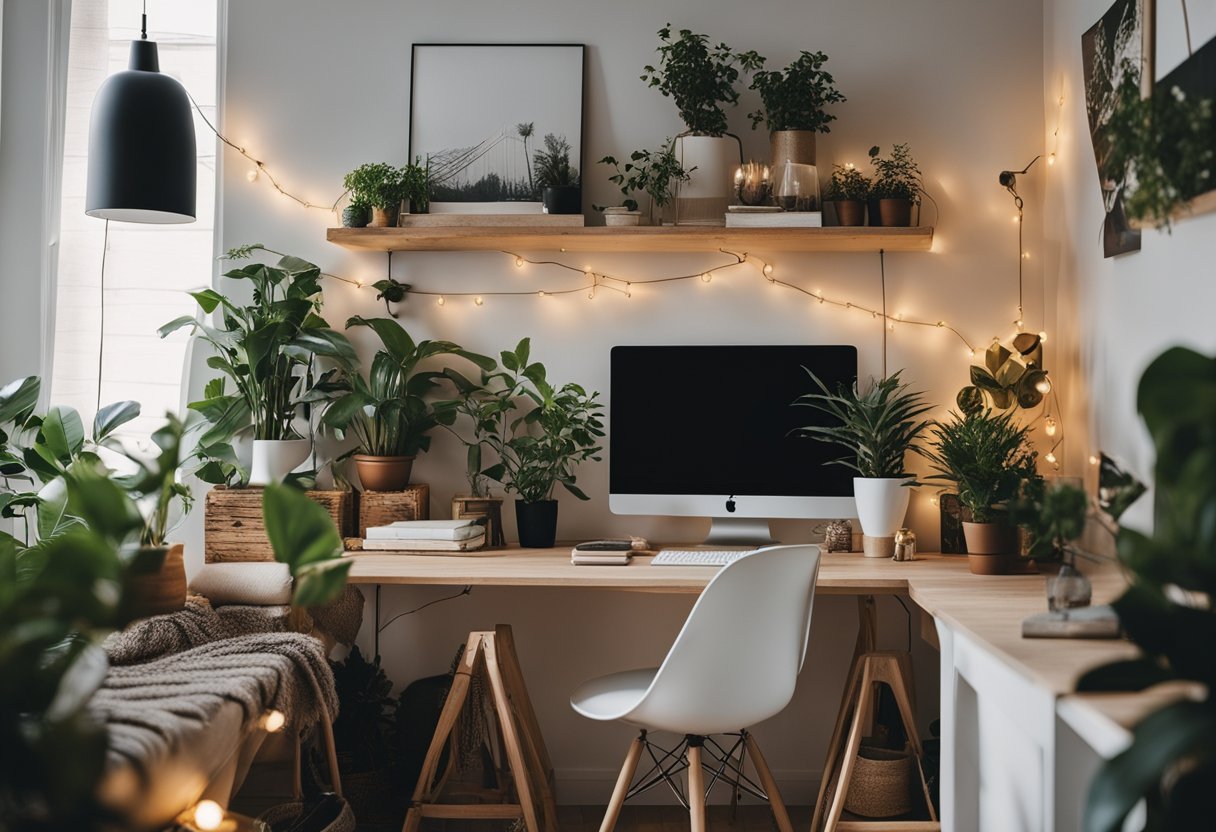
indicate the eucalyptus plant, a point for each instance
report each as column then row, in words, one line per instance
column 877, row 427
column 896, row 176
column 796, row 98
column 986, row 456
column 699, row 77
column 653, row 172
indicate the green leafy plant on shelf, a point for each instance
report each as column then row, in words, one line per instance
column 699, row 77
column 1054, row 515
column 896, row 176
column 1007, row 378
column 847, row 183
column 551, row 164
column 1167, row 611
column 877, row 427
column 480, row 404
column 797, row 97
column 377, row 185
column 269, row 350
column 655, row 173
column 986, row 457
column 1165, row 145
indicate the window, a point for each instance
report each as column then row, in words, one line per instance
column 147, row 268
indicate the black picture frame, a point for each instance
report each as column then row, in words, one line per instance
column 443, row 106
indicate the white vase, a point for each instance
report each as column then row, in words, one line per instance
column 274, row 459
column 882, row 504
column 702, row 200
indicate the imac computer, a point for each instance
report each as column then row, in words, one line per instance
column 708, row 431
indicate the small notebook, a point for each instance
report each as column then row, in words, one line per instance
column 467, row 545
column 426, row 530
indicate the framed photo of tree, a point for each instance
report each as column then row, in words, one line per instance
column 485, row 116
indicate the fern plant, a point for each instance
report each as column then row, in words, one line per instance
column 877, row 427
column 986, row 456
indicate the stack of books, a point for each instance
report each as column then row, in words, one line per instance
column 412, row 536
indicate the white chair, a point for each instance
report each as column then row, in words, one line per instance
column 733, row 665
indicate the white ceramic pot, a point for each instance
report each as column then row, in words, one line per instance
column 702, row 200
column 621, row 215
column 274, row 459
column 882, row 505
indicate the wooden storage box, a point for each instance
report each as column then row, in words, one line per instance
column 379, row 508
column 465, row 508
column 233, row 529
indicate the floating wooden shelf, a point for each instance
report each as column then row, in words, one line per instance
column 634, row 239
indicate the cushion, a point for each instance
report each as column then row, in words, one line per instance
column 244, row 583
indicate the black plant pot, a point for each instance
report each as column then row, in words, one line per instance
column 567, row 199
column 873, row 212
column 537, row 523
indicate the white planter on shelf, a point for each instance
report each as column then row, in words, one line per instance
column 702, row 200
column 882, row 504
column 274, row 459
column 620, row 216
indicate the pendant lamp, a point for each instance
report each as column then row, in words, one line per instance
column 142, row 159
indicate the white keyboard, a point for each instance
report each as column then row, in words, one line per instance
column 698, row 557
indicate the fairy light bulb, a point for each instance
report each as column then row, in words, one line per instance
column 519, row 262
column 252, row 175
column 1050, row 427
column 1051, row 158
column 941, row 324
column 1043, row 386
column 1020, row 324
column 273, row 722
column 542, row 294
column 1042, row 337
column 1051, row 457
column 479, row 300
column 440, row 301
column 708, row 276
column 768, row 270
column 208, row 815
column 1016, row 218
column 970, row 352
column 1093, row 459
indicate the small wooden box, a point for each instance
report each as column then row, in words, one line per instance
column 468, row 508
column 379, row 508
column 233, row 529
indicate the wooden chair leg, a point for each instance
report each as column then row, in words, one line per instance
column 780, row 815
column 696, row 789
column 622, row 785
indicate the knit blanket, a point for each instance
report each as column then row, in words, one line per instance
column 151, row 708
column 197, row 624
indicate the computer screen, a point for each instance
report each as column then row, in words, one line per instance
column 716, row 422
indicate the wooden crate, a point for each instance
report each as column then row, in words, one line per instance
column 468, row 508
column 379, row 508
column 233, row 529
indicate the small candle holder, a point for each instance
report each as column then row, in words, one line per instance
column 752, row 184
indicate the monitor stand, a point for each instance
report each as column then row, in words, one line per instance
column 739, row 531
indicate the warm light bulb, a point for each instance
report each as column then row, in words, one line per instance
column 542, row 294
column 1050, row 427
column 1042, row 337
column 273, row 722
column 562, row 249
column 479, row 300
column 519, row 262
column 1043, row 386
column 933, row 501
column 252, row 175
column 1093, row 459
column 208, row 815
column 970, row 352
column 708, row 276
column 358, row 284
column 1025, row 255
column 1016, row 218
column 768, row 269
column 849, row 165
column 1051, row 457
column 440, row 301
column 941, row 323
column 819, row 294
column 1020, row 324
column 1051, row 159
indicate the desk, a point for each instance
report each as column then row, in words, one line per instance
column 987, row 669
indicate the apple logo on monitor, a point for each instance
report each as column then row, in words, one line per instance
column 730, row 504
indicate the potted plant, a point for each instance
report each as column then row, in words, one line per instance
column 795, row 101
column 269, row 351
column 987, row 457
column 657, row 173
column 848, row 192
column 416, row 186
column 556, row 178
column 380, row 185
column 356, row 214
column 896, row 187
column 388, row 412
column 877, row 428
column 700, row 78
column 541, row 447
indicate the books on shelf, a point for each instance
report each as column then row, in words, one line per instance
column 468, row 545
column 426, row 536
column 774, row 219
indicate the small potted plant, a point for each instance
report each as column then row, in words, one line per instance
column 416, row 186
column 381, row 186
column 795, row 102
column 988, row 459
column 896, row 187
column 848, row 191
column 356, row 214
column 388, row 413
column 542, row 447
column 700, row 78
column 656, row 173
column 877, row 428
column 556, row 178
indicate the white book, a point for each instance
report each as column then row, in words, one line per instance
column 426, row 530
column 371, row 545
column 783, row 219
column 601, row 558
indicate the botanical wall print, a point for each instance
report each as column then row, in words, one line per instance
column 480, row 112
column 1121, row 35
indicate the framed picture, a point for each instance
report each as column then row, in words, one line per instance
column 481, row 113
column 1123, row 36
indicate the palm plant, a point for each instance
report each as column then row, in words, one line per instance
column 553, row 168
column 877, row 427
column 525, row 130
column 986, row 456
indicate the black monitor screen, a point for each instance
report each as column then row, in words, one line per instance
column 718, row 420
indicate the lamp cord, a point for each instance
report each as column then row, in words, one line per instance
column 143, row 24
column 101, row 335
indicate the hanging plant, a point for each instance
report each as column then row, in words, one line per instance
column 1007, row 378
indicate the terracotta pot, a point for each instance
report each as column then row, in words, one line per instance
column 797, row 146
column 850, row 212
column 383, row 473
column 383, row 217
column 537, row 523
column 990, row 547
column 160, row 592
column 895, row 213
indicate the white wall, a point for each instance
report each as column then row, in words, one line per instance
column 316, row 88
column 1117, row 314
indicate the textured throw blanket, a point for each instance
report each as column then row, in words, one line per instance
column 199, row 623
column 151, row 708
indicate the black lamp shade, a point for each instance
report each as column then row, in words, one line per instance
column 142, row 159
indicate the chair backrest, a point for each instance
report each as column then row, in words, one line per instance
column 739, row 653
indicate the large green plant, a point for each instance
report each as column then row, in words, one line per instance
column 1167, row 611
column 384, row 186
column 699, row 77
column 986, row 456
column 479, row 402
column 795, row 98
column 267, row 349
column 896, row 176
column 877, row 427
column 558, row 428
column 552, row 164
column 653, row 172
column 388, row 412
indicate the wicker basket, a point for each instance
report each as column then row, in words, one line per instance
column 284, row 815
column 881, row 786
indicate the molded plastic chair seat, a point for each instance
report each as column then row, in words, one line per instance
column 611, row 697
